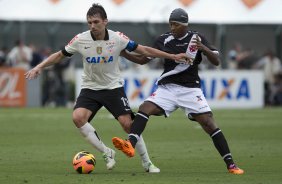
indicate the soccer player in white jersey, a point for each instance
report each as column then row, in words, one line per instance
column 102, row 81
column 179, row 87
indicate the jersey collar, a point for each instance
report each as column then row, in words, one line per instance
column 106, row 35
column 181, row 38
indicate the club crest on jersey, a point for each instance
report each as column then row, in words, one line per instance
column 192, row 48
column 110, row 46
column 99, row 50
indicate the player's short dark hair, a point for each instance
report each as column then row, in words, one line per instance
column 97, row 9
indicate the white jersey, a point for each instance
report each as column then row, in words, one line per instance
column 100, row 59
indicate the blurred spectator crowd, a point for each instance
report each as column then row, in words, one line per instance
column 57, row 89
column 58, row 80
column 247, row 59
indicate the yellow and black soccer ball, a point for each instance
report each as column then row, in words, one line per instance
column 84, row 162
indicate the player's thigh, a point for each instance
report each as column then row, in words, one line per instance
column 151, row 108
column 165, row 102
column 193, row 101
column 87, row 100
column 116, row 102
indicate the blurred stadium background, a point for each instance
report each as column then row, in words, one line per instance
column 37, row 144
column 247, row 32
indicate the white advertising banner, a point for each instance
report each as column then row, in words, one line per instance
column 222, row 89
column 233, row 89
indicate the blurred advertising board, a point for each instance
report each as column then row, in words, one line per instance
column 12, row 87
column 222, row 88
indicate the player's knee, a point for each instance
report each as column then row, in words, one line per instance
column 78, row 119
column 149, row 108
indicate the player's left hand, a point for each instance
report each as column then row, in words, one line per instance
column 33, row 73
column 197, row 41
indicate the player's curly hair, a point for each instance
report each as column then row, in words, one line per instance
column 97, row 9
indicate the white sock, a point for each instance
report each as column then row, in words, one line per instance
column 142, row 150
column 90, row 134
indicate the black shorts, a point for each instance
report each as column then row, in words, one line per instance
column 114, row 100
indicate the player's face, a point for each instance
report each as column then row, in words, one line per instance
column 177, row 30
column 96, row 24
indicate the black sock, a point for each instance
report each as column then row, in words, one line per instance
column 138, row 127
column 222, row 146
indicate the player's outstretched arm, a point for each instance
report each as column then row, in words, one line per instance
column 52, row 59
column 152, row 52
column 135, row 58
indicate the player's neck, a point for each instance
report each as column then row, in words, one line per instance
column 99, row 36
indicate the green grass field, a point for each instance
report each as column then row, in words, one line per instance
column 37, row 146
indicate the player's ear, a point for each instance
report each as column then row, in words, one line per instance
column 106, row 21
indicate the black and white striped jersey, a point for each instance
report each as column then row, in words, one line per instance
column 176, row 73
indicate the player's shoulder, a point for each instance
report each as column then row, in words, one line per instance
column 111, row 32
column 165, row 35
column 83, row 35
column 191, row 32
column 118, row 34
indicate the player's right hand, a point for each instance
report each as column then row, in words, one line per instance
column 186, row 61
column 33, row 73
column 181, row 57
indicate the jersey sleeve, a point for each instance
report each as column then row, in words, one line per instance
column 158, row 44
column 206, row 43
column 71, row 47
column 126, row 43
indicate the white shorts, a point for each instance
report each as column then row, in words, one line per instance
column 170, row 97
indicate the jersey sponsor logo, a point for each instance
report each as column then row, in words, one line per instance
column 99, row 59
column 181, row 45
column 226, row 89
column 99, row 50
column 87, row 47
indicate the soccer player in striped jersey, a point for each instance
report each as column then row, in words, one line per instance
column 179, row 87
column 102, row 83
